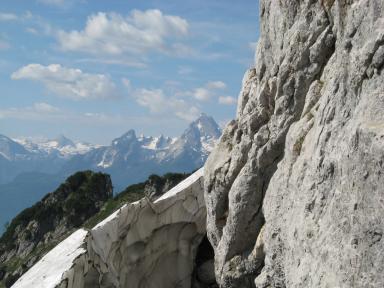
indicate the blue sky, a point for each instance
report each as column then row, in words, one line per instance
column 92, row 70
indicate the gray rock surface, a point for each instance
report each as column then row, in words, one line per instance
column 294, row 190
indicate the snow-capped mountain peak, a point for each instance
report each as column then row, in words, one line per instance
column 61, row 142
column 207, row 127
column 156, row 143
column 201, row 134
column 127, row 138
column 127, row 158
column 62, row 146
column 11, row 149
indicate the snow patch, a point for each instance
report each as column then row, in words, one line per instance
column 48, row 272
column 114, row 215
column 182, row 185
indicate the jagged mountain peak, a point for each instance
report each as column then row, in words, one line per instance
column 4, row 138
column 128, row 137
column 201, row 134
column 11, row 149
column 63, row 141
column 206, row 127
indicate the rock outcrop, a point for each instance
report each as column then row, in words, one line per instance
column 39, row 228
column 294, row 188
column 144, row 244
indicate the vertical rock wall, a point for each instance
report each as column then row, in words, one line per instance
column 294, row 190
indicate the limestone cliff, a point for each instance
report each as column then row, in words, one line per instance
column 294, row 190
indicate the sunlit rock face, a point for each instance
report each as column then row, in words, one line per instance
column 294, row 189
column 144, row 244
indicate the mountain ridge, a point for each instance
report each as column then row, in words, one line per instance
column 82, row 200
column 130, row 158
column 40, row 165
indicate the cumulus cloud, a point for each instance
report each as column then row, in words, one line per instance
column 4, row 17
column 158, row 103
column 216, row 85
column 32, row 30
column 35, row 112
column 180, row 103
column 227, row 100
column 127, row 84
column 68, row 82
column 208, row 91
column 43, row 112
column 114, row 34
column 45, row 108
column 202, row 94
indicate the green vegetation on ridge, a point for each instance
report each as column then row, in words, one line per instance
column 134, row 193
column 83, row 200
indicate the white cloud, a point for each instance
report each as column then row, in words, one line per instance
column 45, row 108
column 216, row 85
column 43, row 112
column 157, row 103
column 34, row 24
column 37, row 111
column 8, row 17
column 208, row 91
column 203, row 94
column 32, row 30
column 127, row 83
column 113, row 34
column 227, row 100
column 68, row 82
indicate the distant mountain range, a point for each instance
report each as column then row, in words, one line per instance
column 130, row 159
column 29, row 169
column 19, row 156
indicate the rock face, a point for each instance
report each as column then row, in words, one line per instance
column 294, row 188
column 144, row 244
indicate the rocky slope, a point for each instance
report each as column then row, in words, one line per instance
column 39, row 228
column 294, row 189
column 83, row 200
column 144, row 244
